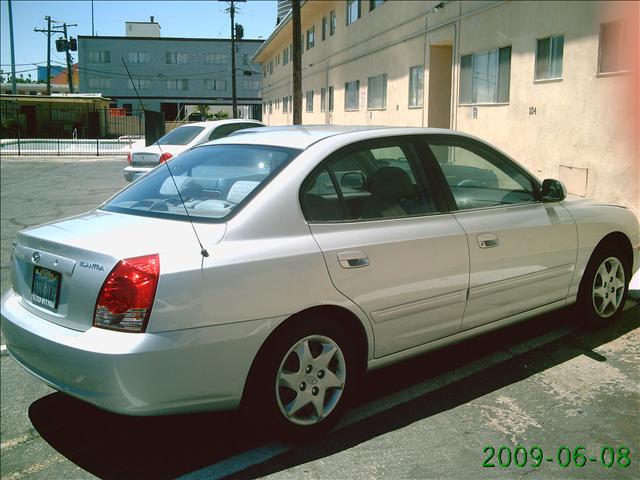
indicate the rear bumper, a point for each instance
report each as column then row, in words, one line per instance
column 137, row 374
column 132, row 173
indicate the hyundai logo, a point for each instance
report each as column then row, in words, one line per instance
column 35, row 257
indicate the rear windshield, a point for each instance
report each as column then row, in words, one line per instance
column 180, row 135
column 213, row 181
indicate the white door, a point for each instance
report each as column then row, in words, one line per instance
column 386, row 245
column 522, row 252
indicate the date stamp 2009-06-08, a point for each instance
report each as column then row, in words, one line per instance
column 518, row 456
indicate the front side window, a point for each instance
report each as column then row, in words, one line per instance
column 480, row 177
column 549, row 53
column 416, row 86
column 311, row 37
column 370, row 183
column 353, row 11
column 615, row 42
column 377, row 92
column 351, row 94
column 484, row 76
column 213, row 180
column 309, row 97
column 332, row 22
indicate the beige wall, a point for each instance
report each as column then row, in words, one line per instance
column 579, row 132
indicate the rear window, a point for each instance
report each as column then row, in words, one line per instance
column 180, row 135
column 213, row 180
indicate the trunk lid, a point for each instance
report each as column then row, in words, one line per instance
column 81, row 251
column 150, row 156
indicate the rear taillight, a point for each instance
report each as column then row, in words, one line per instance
column 126, row 296
column 165, row 156
column 129, row 158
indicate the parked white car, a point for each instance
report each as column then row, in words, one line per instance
column 271, row 269
column 143, row 158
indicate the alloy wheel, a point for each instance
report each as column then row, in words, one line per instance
column 608, row 287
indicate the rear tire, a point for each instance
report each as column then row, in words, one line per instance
column 304, row 380
column 603, row 288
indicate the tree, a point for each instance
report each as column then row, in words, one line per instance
column 220, row 115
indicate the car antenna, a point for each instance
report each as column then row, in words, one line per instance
column 203, row 251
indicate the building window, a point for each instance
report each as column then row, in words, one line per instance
column 416, row 86
column 612, row 56
column 351, row 94
column 176, row 58
column 331, row 98
column 377, row 92
column 140, row 84
column 177, row 84
column 373, row 4
column 311, row 37
column 285, row 56
column 325, row 27
column 270, row 107
column 277, row 60
column 215, row 84
column 549, row 52
column 98, row 82
column 245, row 59
column 216, row 58
column 99, row 56
column 251, row 84
column 332, row 22
column 484, row 76
column 353, row 11
column 285, row 105
column 309, row 101
column 139, row 57
column 323, row 99
column 271, row 67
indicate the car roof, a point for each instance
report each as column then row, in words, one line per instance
column 303, row 136
column 216, row 123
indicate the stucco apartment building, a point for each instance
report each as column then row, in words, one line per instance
column 553, row 84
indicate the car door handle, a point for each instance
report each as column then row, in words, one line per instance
column 488, row 240
column 353, row 259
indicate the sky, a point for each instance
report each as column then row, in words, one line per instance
column 177, row 18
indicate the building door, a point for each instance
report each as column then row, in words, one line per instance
column 170, row 111
column 439, row 108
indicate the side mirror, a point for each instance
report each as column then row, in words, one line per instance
column 552, row 190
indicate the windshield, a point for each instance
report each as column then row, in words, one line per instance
column 213, row 181
column 180, row 135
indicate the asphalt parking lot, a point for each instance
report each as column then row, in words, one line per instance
column 545, row 383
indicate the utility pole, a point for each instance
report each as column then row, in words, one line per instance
column 13, row 54
column 48, row 32
column 69, row 65
column 232, row 12
column 297, row 62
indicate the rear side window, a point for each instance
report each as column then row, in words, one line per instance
column 180, row 135
column 213, row 180
column 368, row 183
column 479, row 177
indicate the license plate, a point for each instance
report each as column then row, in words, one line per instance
column 45, row 288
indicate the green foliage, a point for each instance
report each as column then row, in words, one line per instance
column 220, row 115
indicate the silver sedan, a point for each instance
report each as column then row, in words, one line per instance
column 270, row 270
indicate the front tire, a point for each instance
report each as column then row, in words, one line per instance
column 603, row 288
column 305, row 380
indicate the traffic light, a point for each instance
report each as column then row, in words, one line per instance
column 239, row 31
column 61, row 45
column 73, row 44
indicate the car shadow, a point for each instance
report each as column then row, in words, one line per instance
column 115, row 446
